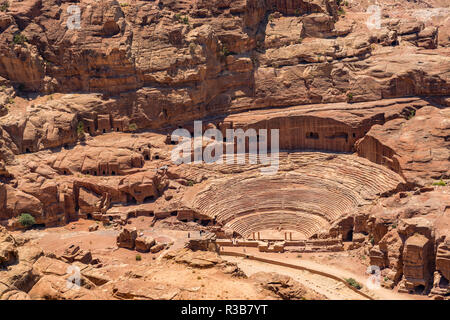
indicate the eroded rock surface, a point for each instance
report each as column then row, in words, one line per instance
column 363, row 117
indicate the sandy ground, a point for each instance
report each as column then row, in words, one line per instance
column 209, row 283
column 189, row 283
column 345, row 265
column 330, row 288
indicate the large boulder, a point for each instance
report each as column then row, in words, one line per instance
column 127, row 238
column 144, row 243
column 75, row 253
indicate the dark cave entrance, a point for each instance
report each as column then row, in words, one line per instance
column 149, row 199
column 349, row 236
column 131, row 199
column 312, row 135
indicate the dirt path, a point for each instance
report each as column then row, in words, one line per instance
column 379, row 294
column 331, row 288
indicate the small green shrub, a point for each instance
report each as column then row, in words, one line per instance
column 440, row 183
column 354, row 283
column 341, row 11
column 19, row 38
column 224, row 51
column 178, row 17
column 190, row 183
column 27, row 220
column 412, row 113
column 80, row 128
column 372, row 241
column 10, row 100
column 138, row 257
column 349, row 96
column 299, row 40
column 123, row 4
column 4, row 6
column 132, row 127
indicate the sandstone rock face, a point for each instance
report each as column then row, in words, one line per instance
column 51, row 287
column 404, row 232
column 395, row 145
column 392, row 247
column 443, row 259
column 18, row 275
column 141, row 186
column 136, row 289
column 363, row 117
column 416, row 259
column 97, row 161
column 8, row 252
column 161, row 65
column 29, row 274
column 241, row 59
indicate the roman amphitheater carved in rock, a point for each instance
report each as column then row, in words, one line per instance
column 87, row 179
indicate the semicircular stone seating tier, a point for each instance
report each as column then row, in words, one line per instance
column 303, row 223
column 307, row 196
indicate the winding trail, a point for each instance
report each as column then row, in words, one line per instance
column 326, row 280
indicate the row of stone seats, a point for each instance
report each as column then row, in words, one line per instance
column 321, row 185
column 302, row 223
